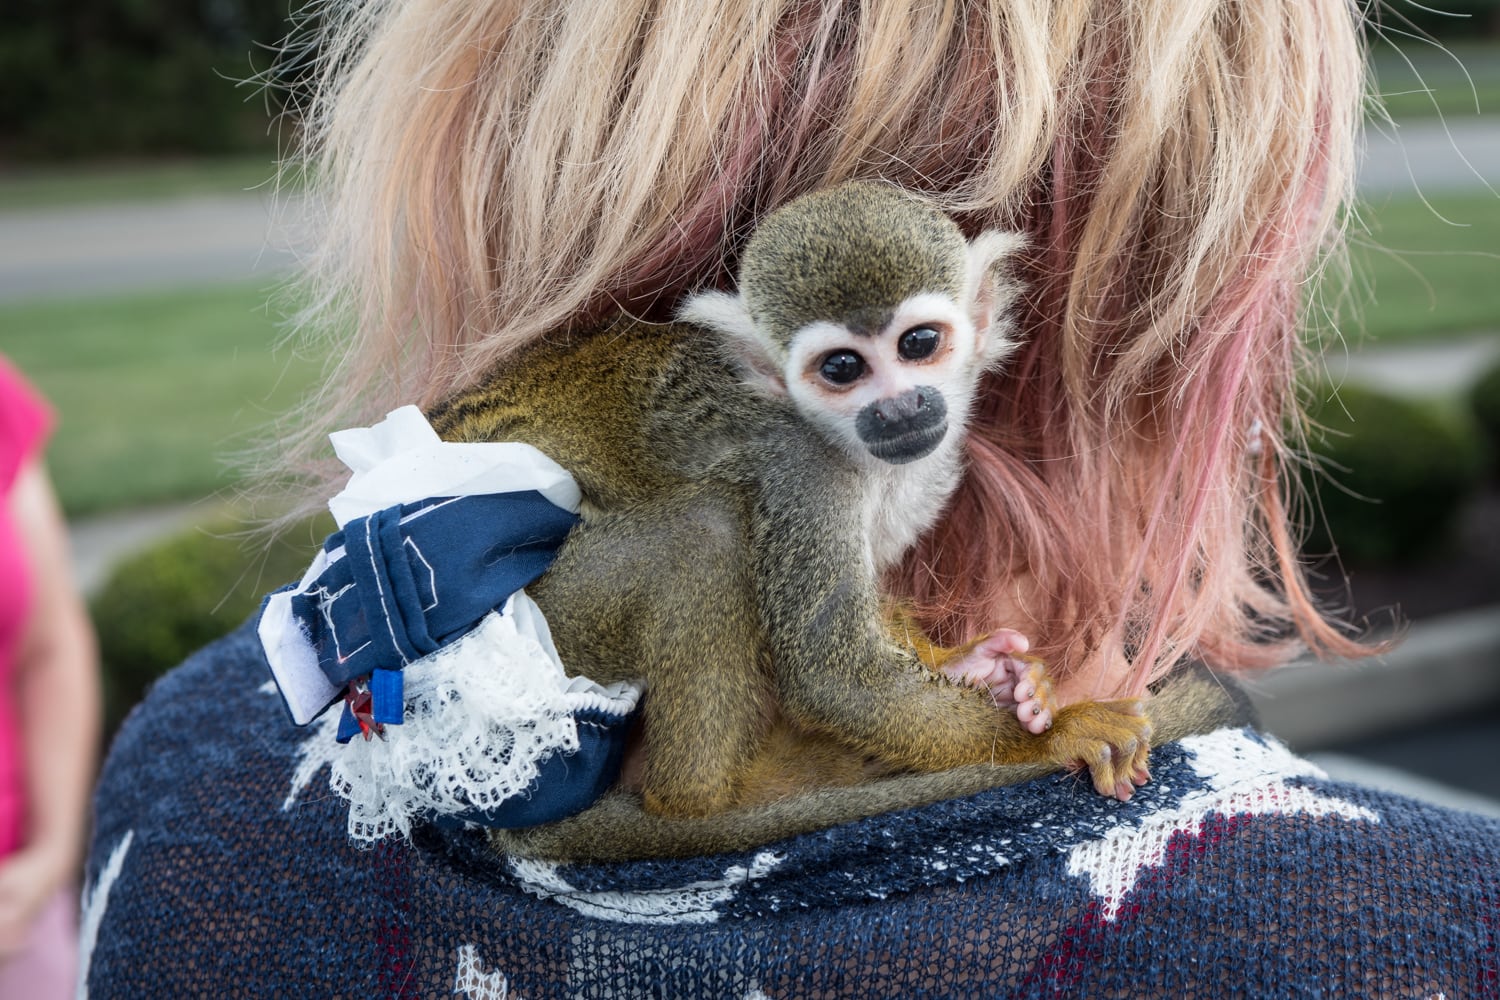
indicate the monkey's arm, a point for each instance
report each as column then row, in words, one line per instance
column 995, row 663
column 839, row 673
column 616, row 828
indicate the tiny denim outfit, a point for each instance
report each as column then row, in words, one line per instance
column 413, row 614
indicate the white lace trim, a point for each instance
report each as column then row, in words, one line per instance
column 482, row 714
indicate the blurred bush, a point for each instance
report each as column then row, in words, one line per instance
column 167, row 601
column 1484, row 402
column 1451, row 19
column 99, row 78
column 1390, row 476
column 92, row 78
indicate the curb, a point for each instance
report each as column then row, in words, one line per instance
column 1445, row 666
column 97, row 543
column 1340, row 767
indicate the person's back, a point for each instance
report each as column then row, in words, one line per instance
column 221, row 866
column 493, row 174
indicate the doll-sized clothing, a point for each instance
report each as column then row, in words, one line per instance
column 455, row 704
column 220, row 866
column 25, row 420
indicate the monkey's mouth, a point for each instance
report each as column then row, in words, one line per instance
column 908, row 445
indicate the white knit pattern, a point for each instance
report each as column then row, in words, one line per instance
column 472, row 980
column 695, row 902
column 95, row 903
column 482, row 714
column 1245, row 776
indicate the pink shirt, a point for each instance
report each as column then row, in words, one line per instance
column 24, row 422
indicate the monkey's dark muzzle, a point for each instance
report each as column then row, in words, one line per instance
column 904, row 428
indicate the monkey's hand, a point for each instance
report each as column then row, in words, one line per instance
column 1110, row 738
column 998, row 664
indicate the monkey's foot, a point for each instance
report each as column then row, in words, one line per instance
column 998, row 664
column 1112, row 739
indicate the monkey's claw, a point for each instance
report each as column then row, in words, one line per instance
column 1111, row 739
column 998, row 664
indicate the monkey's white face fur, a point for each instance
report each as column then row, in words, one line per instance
column 894, row 395
column 917, row 372
column 895, row 399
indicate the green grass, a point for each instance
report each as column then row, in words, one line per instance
column 1422, row 80
column 1417, row 276
column 154, row 392
column 45, row 187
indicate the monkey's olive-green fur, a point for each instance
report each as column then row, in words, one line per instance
column 726, row 555
column 823, row 260
column 617, row 828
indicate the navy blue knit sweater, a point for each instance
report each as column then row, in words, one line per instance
column 220, row 867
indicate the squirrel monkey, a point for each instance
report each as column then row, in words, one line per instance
column 748, row 473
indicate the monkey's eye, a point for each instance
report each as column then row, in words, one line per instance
column 917, row 343
column 842, row 367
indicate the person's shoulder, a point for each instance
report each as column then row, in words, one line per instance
column 197, row 717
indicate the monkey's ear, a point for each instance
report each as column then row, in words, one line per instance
column 989, row 291
column 728, row 315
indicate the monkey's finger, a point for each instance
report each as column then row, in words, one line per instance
column 1102, row 771
column 1034, row 692
column 1140, row 766
column 1003, row 692
column 1035, row 717
column 983, row 672
column 1140, row 772
column 1133, row 767
column 1113, row 768
column 1010, row 681
column 1129, row 770
column 1003, row 641
column 1030, row 670
column 1114, row 781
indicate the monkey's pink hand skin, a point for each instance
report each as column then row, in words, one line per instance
column 1014, row 680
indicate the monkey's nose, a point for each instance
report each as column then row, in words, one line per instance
column 903, row 407
column 904, row 428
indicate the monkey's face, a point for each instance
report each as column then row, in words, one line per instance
column 892, row 386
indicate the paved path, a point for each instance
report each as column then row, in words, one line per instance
column 1441, row 368
column 99, row 542
column 104, row 249
column 1431, row 157
column 162, row 244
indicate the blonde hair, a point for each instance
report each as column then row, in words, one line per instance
column 491, row 170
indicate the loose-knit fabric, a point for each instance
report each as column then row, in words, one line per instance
column 220, row 867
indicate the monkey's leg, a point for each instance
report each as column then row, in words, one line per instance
column 616, row 828
column 662, row 591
